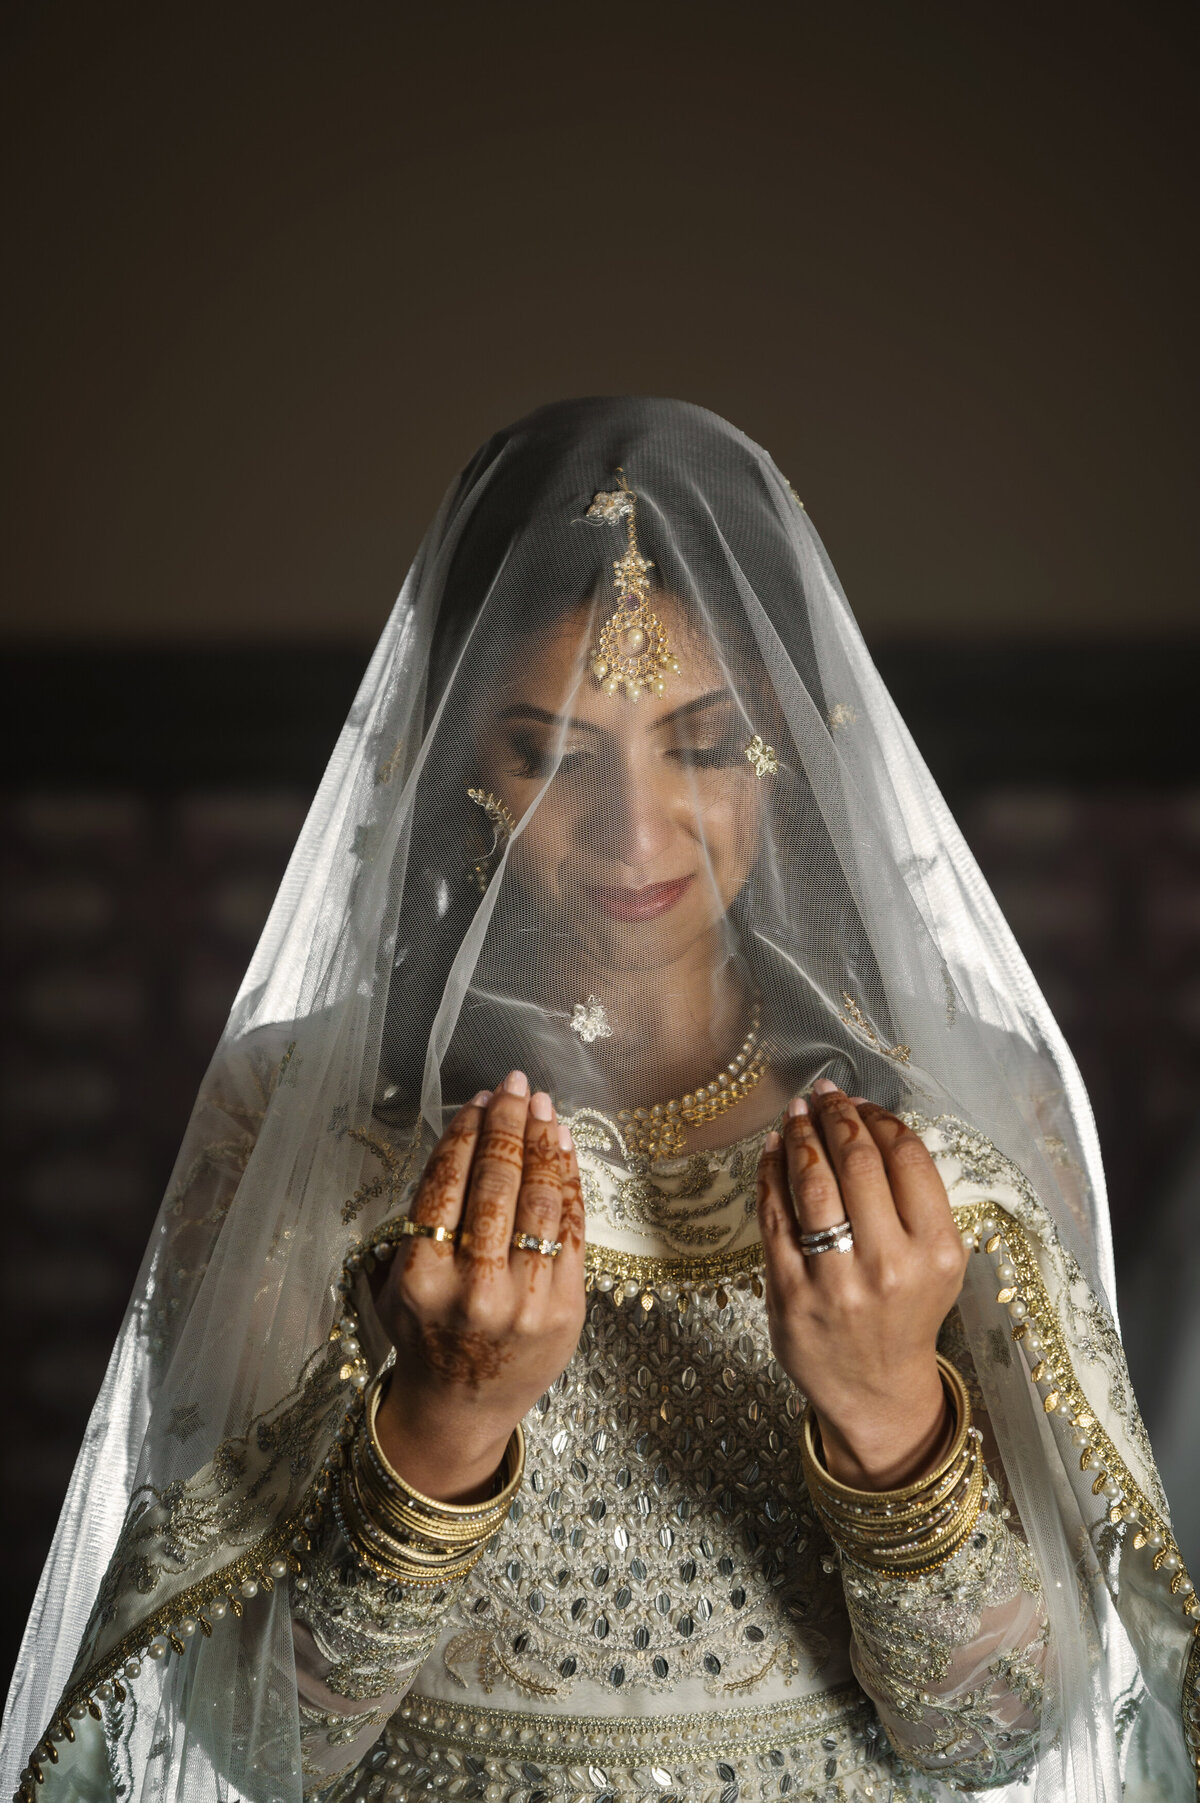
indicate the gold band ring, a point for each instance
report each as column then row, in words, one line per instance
column 425, row 1230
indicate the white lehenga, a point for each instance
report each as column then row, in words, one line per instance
column 660, row 1616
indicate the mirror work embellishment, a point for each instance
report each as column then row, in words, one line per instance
column 632, row 647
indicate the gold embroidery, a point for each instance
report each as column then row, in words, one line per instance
column 828, row 1746
column 478, row 1652
column 668, row 1279
column 396, row 1172
column 663, row 1534
column 841, row 714
column 907, row 1645
column 762, row 757
column 375, row 1635
column 856, row 1020
column 185, row 1421
column 1007, row 1237
column 391, row 764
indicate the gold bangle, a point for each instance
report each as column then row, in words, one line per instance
column 935, row 1557
column 514, row 1460
column 883, row 1528
column 387, row 1558
column 388, row 1513
column 918, row 1525
column 388, row 1508
column 886, row 1518
column 920, row 1555
column 875, row 1499
column 400, row 1534
column 893, row 1523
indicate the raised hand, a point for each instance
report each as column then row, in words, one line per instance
column 857, row 1330
column 481, row 1327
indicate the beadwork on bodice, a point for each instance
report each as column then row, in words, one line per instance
column 663, row 1543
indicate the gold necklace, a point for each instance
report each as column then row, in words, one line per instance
column 661, row 1130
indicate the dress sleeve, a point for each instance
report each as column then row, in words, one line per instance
column 359, row 1643
column 954, row 1660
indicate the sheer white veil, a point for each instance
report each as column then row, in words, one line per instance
column 412, row 955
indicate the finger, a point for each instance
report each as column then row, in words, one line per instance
column 920, row 1195
column 443, row 1187
column 495, row 1178
column 441, row 1193
column 816, row 1197
column 776, row 1216
column 858, row 1166
column 572, row 1225
column 539, row 1199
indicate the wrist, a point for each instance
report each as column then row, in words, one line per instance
column 446, row 1447
column 886, row 1447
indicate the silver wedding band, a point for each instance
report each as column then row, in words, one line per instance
column 838, row 1238
column 524, row 1242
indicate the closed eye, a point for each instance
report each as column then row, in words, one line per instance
column 537, row 760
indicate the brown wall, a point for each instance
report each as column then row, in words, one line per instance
column 274, row 270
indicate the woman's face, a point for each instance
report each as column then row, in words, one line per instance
column 648, row 826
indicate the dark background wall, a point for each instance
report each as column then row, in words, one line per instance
column 274, row 271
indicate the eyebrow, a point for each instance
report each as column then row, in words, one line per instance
column 522, row 710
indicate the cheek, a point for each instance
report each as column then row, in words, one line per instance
column 730, row 827
column 548, row 841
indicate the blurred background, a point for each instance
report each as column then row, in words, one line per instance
column 274, row 271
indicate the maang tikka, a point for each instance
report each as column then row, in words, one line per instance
column 632, row 647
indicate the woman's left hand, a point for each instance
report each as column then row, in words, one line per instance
column 857, row 1331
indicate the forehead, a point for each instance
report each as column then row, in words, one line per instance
column 551, row 670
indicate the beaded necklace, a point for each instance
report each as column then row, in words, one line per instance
column 660, row 1131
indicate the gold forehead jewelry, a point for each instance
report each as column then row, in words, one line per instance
column 632, row 647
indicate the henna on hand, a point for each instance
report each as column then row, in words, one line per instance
column 857, row 1332
column 463, row 1355
column 479, row 1332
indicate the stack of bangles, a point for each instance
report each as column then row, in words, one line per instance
column 907, row 1532
column 402, row 1536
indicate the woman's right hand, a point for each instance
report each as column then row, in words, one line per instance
column 481, row 1328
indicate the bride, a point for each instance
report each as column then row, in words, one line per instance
column 632, row 1315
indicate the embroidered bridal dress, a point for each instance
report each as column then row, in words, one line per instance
column 661, row 1616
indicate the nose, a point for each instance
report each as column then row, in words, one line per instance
column 634, row 819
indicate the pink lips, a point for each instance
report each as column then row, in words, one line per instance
column 640, row 904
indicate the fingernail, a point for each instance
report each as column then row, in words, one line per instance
column 772, row 1142
column 564, row 1137
column 796, row 1106
column 541, row 1107
column 482, row 1099
column 859, row 1101
column 516, row 1083
column 824, row 1087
